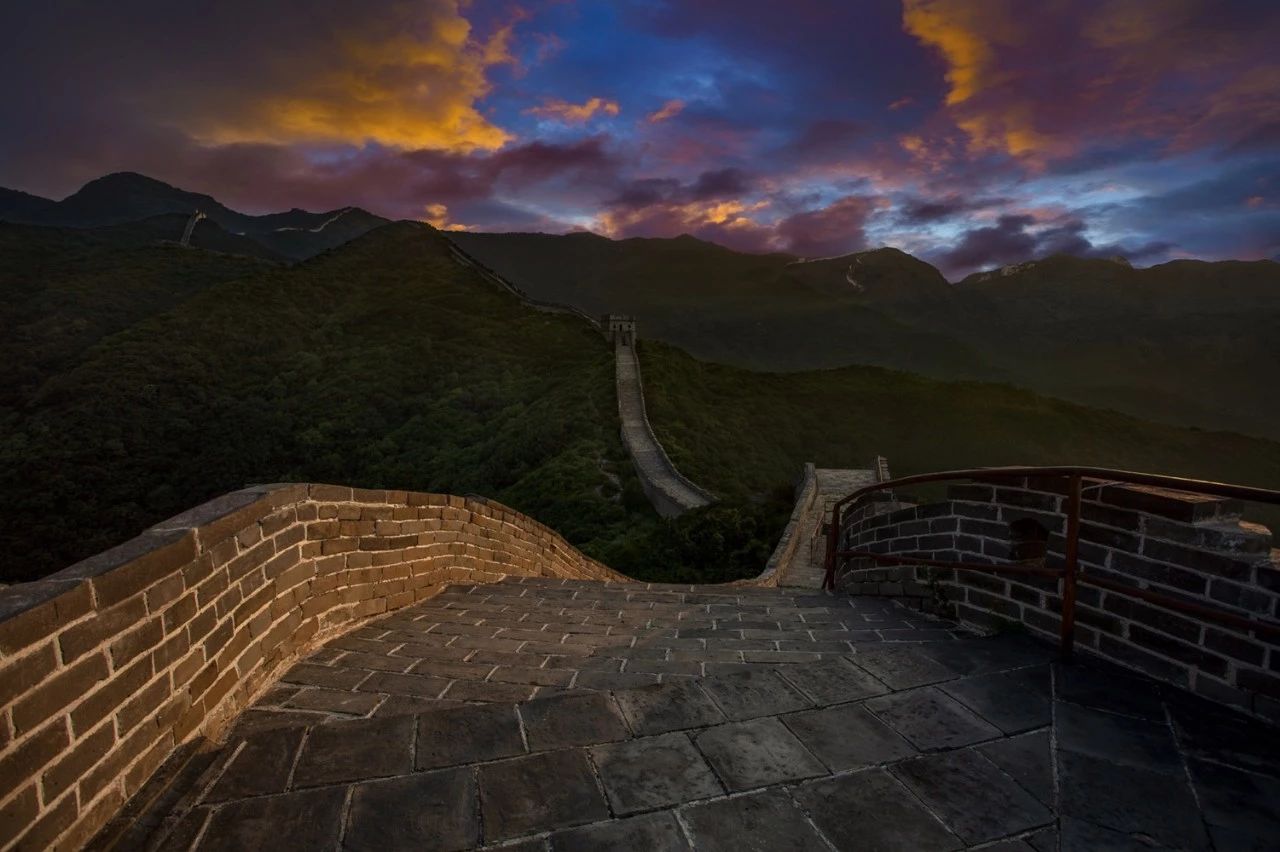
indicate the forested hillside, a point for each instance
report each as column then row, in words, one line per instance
column 149, row 378
column 1186, row 342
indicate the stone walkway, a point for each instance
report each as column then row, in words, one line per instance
column 558, row 715
column 655, row 468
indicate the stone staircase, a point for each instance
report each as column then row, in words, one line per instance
column 557, row 714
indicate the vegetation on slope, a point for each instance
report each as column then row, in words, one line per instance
column 61, row 291
column 151, row 378
column 742, row 433
column 348, row 368
column 756, row 310
column 1186, row 342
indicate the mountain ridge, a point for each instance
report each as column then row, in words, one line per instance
column 123, row 197
column 177, row 374
column 1184, row 341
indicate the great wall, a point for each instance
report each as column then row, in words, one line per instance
column 310, row 666
column 670, row 492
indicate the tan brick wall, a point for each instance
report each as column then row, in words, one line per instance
column 108, row 666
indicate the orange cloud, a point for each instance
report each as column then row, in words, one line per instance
column 955, row 29
column 574, row 113
column 973, row 38
column 695, row 215
column 409, row 77
column 437, row 215
column 1046, row 85
column 668, row 110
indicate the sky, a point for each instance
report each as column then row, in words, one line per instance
column 971, row 133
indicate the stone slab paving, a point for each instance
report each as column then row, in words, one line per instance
column 531, row 637
column 937, row 744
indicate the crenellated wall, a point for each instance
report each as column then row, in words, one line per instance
column 108, row 666
column 1187, row 546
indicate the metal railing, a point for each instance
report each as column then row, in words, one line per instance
column 1070, row 574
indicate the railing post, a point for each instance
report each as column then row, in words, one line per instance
column 833, row 541
column 1069, row 570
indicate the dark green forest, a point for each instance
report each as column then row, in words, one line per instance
column 150, row 379
column 144, row 378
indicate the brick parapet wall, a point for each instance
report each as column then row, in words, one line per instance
column 109, row 666
column 794, row 537
column 1184, row 546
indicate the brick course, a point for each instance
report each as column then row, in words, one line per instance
column 109, row 666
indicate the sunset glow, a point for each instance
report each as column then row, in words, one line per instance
column 974, row 133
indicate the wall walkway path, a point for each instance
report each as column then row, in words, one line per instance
column 671, row 492
column 545, row 714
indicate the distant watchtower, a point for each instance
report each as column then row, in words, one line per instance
column 619, row 328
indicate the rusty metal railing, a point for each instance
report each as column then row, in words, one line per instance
column 1069, row 575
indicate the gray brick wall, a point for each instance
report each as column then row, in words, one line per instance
column 1185, row 546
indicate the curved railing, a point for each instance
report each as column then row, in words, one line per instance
column 1078, row 480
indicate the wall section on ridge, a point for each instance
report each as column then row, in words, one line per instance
column 111, row 665
column 670, row 492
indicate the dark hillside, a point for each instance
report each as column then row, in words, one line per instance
column 62, row 291
column 760, row 311
column 1187, row 342
column 739, row 432
column 126, row 197
column 384, row 363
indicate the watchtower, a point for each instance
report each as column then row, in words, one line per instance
column 619, row 328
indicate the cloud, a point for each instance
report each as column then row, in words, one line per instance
column 406, row 77
column 668, row 110
column 1048, row 86
column 473, row 112
column 645, row 192
column 1019, row 237
column 833, row 230
column 709, row 185
column 728, row 223
column 574, row 113
column 1217, row 215
column 826, row 140
column 921, row 210
column 720, row 183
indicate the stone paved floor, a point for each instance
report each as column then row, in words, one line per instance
column 517, row 640
column 679, row 722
